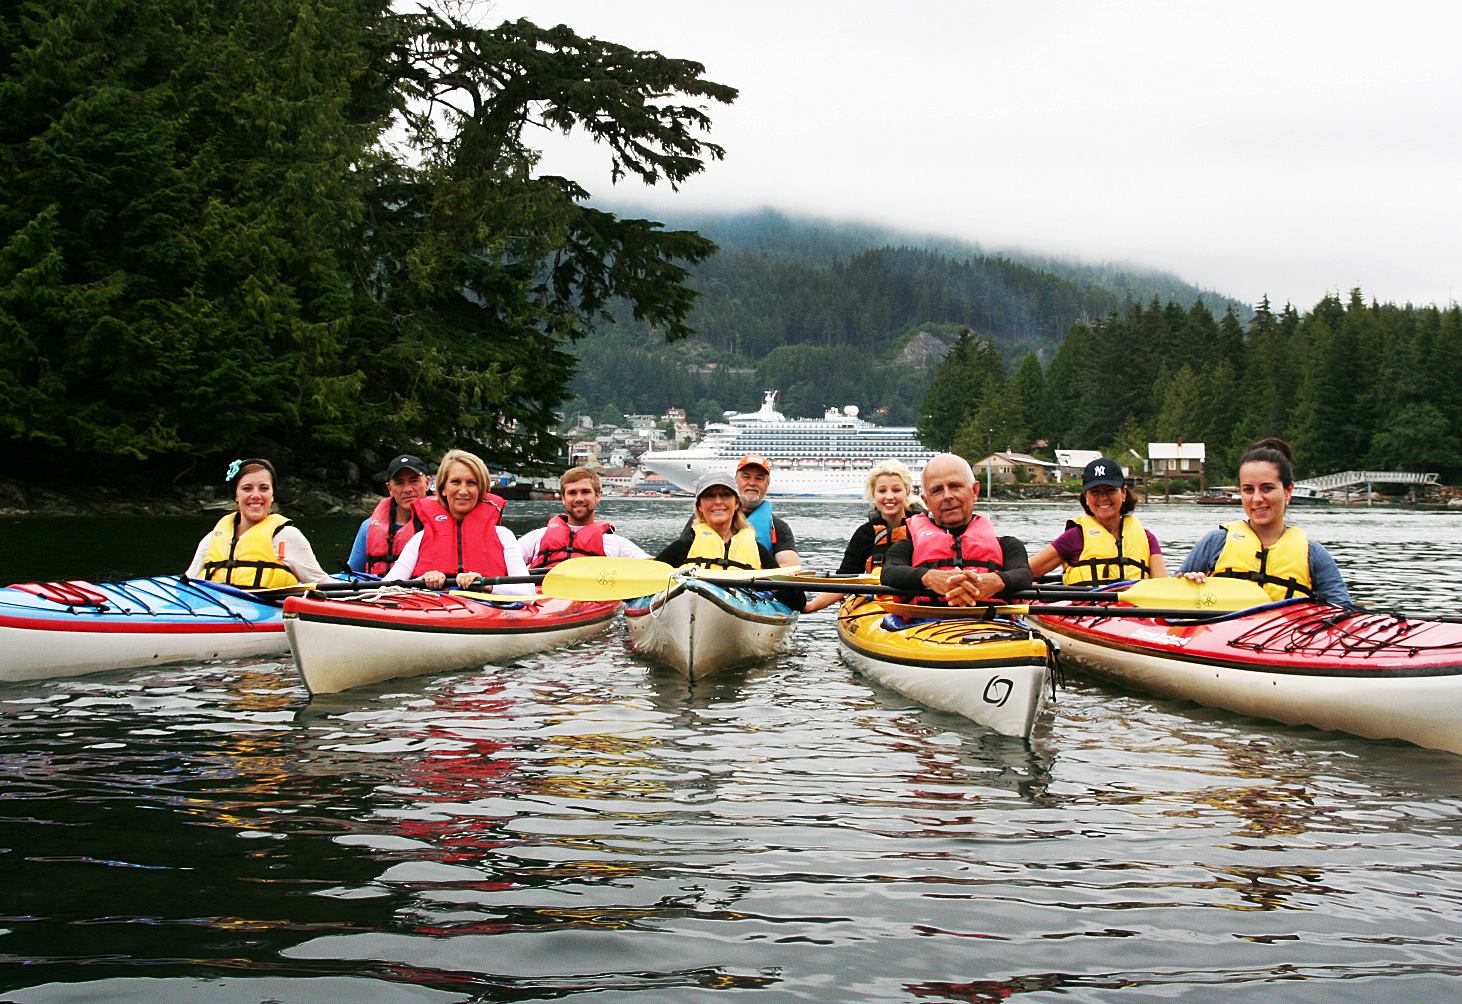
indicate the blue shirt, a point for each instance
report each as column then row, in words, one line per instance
column 358, row 552
column 1325, row 576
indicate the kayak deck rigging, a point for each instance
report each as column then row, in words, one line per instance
column 168, row 597
column 1331, row 631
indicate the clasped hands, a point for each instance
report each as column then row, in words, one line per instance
column 962, row 587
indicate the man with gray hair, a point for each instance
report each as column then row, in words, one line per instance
column 951, row 551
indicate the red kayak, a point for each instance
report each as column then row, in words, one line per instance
column 393, row 632
column 1370, row 674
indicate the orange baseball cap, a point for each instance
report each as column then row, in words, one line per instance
column 755, row 460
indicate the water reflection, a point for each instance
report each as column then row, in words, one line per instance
column 583, row 823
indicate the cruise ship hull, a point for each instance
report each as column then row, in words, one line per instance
column 814, row 458
column 682, row 467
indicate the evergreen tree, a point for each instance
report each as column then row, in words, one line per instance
column 201, row 208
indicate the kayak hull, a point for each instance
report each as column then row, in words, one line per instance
column 996, row 673
column 701, row 629
column 1371, row 675
column 343, row 643
column 128, row 625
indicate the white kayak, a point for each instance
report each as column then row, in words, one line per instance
column 701, row 628
column 350, row 642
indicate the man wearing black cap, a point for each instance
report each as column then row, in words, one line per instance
column 386, row 530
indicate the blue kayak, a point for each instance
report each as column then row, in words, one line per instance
column 51, row 629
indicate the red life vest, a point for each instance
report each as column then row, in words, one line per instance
column 936, row 547
column 563, row 540
column 381, row 552
column 469, row 546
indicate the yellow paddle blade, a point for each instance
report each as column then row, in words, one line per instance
column 1158, row 597
column 1217, row 595
column 597, row 578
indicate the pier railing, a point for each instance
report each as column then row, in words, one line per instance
column 1344, row 479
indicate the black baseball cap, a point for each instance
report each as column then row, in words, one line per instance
column 405, row 462
column 1102, row 471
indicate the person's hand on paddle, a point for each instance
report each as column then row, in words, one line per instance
column 1198, row 577
column 436, row 580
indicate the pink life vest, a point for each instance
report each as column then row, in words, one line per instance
column 936, row 547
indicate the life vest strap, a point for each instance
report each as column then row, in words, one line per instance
column 556, row 554
column 957, row 562
column 259, row 567
column 1291, row 586
column 1120, row 560
column 720, row 563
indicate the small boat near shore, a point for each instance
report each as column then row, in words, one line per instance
column 1220, row 496
column 996, row 672
column 352, row 641
column 57, row 629
column 701, row 628
column 1376, row 675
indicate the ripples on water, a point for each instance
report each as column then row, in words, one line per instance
column 578, row 822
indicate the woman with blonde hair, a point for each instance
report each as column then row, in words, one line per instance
column 461, row 535
column 889, row 489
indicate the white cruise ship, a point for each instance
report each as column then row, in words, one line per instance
column 828, row 456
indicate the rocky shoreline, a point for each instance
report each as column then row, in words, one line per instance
column 297, row 497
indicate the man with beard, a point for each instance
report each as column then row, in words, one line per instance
column 753, row 480
column 575, row 533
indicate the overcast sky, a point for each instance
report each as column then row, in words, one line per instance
column 1287, row 148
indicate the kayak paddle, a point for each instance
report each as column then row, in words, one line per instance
column 596, row 578
column 331, row 586
column 1149, row 598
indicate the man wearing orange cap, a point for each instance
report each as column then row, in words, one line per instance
column 753, row 478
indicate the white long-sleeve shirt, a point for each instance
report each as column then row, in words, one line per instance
column 512, row 558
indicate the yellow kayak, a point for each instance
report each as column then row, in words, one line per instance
column 994, row 672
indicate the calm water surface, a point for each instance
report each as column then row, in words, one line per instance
column 580, row 823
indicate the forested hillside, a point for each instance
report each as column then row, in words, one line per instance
column 821, row 312
column 1351, row 385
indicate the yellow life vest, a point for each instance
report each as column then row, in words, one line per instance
column 1105, row 558
column 1283, row 570
column 710, row 551
column 250, row 560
